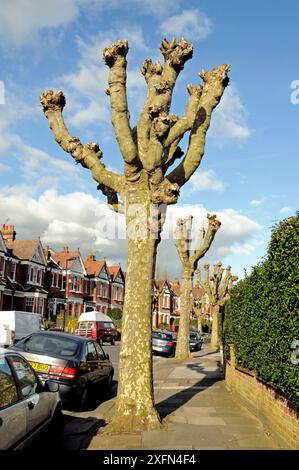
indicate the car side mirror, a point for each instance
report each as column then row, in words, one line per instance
column 51, row 386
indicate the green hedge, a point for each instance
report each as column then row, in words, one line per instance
column 262, row 318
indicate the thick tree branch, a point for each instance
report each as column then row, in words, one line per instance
column 215, row 82
column 112, row 199
column 186, row 122
column 207, row 238
column 183, row 239
column 152, row 74
column 160, row 82
column 115, row 57
column 89, row 155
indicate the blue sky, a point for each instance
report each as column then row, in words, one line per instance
column 250, row 170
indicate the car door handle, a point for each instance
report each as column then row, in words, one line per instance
column 30, row 405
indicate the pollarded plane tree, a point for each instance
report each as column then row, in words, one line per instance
column 200, row 310
column 218, row 289
column 189, row 263
column 146, row 187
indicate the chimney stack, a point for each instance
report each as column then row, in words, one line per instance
column 65, row 249
column 91, row 257
column 8, row 232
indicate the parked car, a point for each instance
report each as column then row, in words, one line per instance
column 195, row 341
column 163, row 342
column 15, row 325
column 79, row 365
column 27, row 407
column 97, row 326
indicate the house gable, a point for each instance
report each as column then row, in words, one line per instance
column 104, row 274
column 119, row 278
column 38, row 256
column 77, row 266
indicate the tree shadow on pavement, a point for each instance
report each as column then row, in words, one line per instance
column 78, row 432
column 179, row 399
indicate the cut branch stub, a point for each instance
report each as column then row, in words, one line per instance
column 176, row 53
column 150, row 68
column 113, row 52
column 213, row 221
column 52, row 101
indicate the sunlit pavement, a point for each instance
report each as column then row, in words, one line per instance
column 197, row 410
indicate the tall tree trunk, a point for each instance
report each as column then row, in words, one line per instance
column 183, row 343
column 134, row 409
column 215, row 327
column 199, row 323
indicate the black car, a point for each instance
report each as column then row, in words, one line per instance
column 163, row 342
column 195, row 341
column 79, row 365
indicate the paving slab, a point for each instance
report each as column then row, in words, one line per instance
column 198, row 412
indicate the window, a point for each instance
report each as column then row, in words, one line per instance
column 41, row 343
column 40, row 306
column 91, row 354
column 30, row 304
column 99, row 350
column 13, row 270
column 26, row 378
column 8, row 389
column 2, row 266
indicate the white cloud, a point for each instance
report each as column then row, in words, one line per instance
column 256, row 202
column 85, row 88
column 286, row 210
column 229, row 119
column 192, row 24
column 81, row 220
column 206, row 180
column 21, row 20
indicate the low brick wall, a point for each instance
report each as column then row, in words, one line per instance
column 265, row 403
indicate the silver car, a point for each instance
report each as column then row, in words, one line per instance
column 27, row 408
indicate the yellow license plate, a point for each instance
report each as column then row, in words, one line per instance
column 39, row 367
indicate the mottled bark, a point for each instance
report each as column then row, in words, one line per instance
column 189, row 265
column 183, row 348
column 135, row 398
column 215, row 327
column 148, row 151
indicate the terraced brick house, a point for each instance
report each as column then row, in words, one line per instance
column 98, row 290
column 23, row 273
column 117, row 287
column 73, row 278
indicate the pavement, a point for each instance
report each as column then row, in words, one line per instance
column 198, row 413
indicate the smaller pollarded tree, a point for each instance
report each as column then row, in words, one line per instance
column 189, row 265
column 218, row 289
column 200, row 309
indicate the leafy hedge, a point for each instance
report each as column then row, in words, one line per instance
column 262, row 317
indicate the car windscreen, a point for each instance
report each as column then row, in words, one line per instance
column 85, row 325
column 106, row 324
column 46, row 344
column 162, row 335
column 193, row 336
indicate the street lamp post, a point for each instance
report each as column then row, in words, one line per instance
column 66, row 287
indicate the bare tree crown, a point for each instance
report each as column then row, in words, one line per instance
column 152, row 147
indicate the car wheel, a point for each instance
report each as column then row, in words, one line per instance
column 113, row 342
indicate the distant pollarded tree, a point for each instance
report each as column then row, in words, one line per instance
column 189, row 263
column 218, row 289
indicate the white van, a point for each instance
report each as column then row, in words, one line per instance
column 15, row 325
